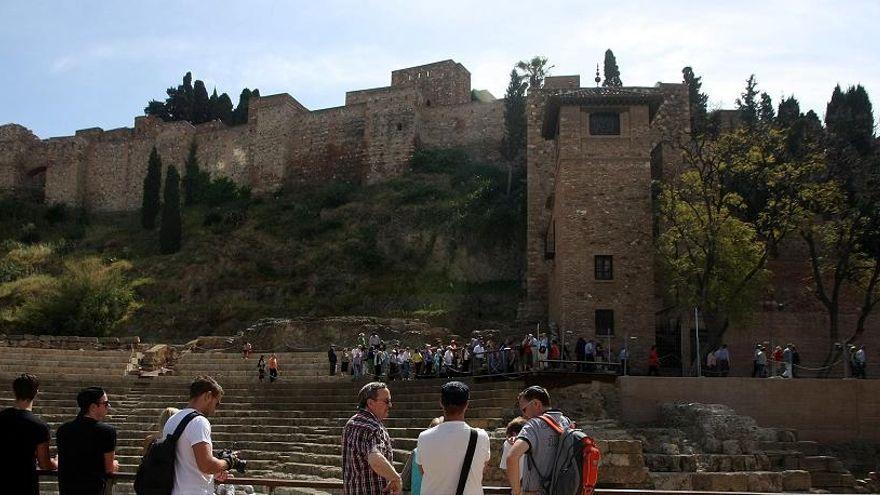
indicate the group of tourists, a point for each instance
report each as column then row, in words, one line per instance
column 373, row 357
column 368, row 453
column 87, row 446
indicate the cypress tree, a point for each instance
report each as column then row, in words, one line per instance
column 788, row 112
column 213, row 106
column 201, row 103
column 170, row 230
column 224, row 109
column 513, row 143
column 766, row 113
column 240, row 114
column 193, row 174
column 697, row 101
column 612, row 72
column 152, row 185
column 747, row 103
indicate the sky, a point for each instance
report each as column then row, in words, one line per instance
column 73, row 65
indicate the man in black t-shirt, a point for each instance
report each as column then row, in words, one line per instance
column 25, row 439
column 86, row 447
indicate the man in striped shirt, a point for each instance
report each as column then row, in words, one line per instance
column 367, row 467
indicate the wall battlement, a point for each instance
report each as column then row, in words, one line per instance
column 369, row 139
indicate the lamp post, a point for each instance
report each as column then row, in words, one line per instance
column 697, row 332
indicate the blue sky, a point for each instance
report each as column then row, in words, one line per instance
column 72, row 65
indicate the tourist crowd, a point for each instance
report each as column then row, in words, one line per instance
column 381, row 360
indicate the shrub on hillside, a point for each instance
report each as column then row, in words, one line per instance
column 222, row 191
column 89, row 297
column 23, row 260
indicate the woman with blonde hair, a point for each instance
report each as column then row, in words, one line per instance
column 160, row 424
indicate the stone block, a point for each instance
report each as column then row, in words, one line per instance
column 815, row 463
column 796, row 480
column 825, row 479
column 711, row 445
column 669, row 449
column 623, row 476
column 720, row 482
column 688, row 463
column 764, row 482
column 622, row 460
column 672, row 481
column 738, row 463
column 624, row 447
column 731, row 447
column 791, row 461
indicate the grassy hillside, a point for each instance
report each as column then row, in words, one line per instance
column 442, row 243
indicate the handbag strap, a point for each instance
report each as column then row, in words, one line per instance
column 468, row 460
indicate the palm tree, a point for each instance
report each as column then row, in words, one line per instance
column 535, row 69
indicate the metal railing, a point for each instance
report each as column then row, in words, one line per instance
column 336, row 486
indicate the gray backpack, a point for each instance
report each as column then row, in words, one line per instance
column 575, row 465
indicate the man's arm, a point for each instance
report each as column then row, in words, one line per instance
column 43, row 459
column 206, row 461
column 380, row 465
column 111, row 465
column 520, row 447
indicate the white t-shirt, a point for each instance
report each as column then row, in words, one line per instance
column 441, row 453
column 505, row 453
column 188, row 479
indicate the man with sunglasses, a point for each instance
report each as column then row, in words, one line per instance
column 367, row 467
column 537, row 440
column 87, row 446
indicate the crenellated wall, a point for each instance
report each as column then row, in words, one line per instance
column 370, row 139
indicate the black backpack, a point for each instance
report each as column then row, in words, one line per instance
column 155, row 475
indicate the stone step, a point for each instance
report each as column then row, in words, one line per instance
column 755, row 481
column 822, row 463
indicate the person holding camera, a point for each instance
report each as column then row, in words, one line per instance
column 196, row 467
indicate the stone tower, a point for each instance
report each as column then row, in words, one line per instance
column 595, row 156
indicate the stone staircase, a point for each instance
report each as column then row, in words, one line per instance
column 291, row 429
column 292, row 366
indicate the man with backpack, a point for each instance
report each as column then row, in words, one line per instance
column 560, row 460
column 195, row 466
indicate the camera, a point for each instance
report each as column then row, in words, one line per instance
column 234, row 462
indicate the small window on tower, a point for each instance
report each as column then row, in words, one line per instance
column 399, row 126
column 605, row 124
column 604, row 322
column 604, row 267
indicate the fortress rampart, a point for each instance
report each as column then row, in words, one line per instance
column 369, row 139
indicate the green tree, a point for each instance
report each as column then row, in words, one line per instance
column 747, row 103
column 713, row 246
column 171, row 229
column 180, row 100
column 224, row 109
column 612, row 72
column 240, row 114
column 152, row 186
column 766, row 112
column 697, row 101
column 201, row 105
column 158, row 109
column 195, row 181
column 536, row 70
column 513, row 143
column 843, row 231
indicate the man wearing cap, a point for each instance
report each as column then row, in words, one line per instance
column 537, row 439
column 442, row 471
column 87, row 446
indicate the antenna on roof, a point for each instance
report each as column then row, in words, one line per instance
column 598, row 79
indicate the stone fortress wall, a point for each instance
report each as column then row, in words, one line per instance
column 369, row 139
